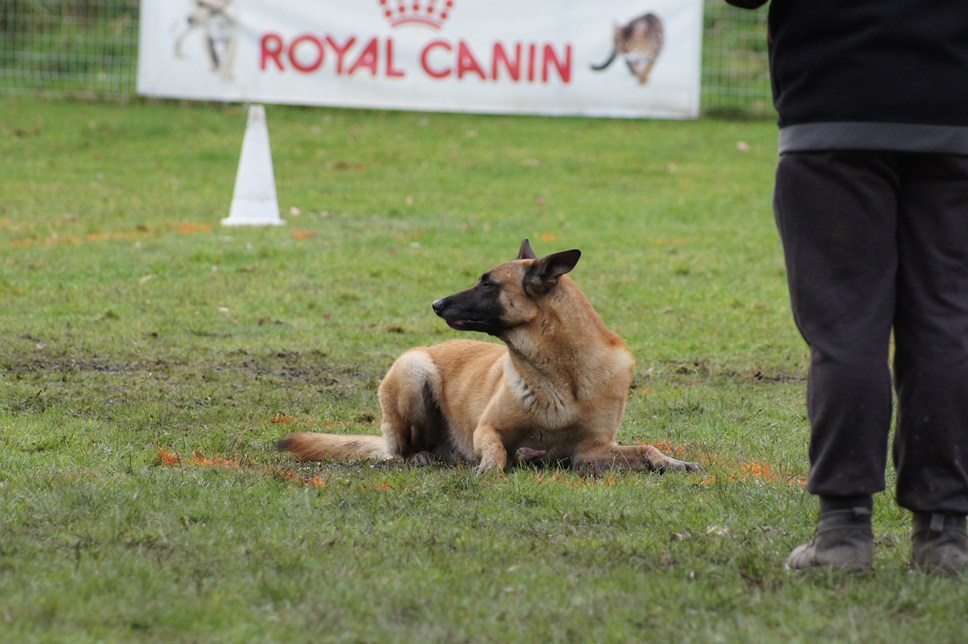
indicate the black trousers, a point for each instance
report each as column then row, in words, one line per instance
column 877, row 242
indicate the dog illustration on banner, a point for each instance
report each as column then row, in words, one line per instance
column 639, row 43
column 211, row 18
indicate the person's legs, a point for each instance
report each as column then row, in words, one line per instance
column 931, row 356
column 836, row 213
column 931, row 336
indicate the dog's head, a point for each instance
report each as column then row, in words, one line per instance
column 508, row 295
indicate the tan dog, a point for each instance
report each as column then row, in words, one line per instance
column 555, row 392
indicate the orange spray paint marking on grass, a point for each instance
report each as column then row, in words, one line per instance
column 203, row 461
column 285, row 419
column 764, row 472
column 189, row 228
column 167, row 458
column 56, row 240
column 755, row 471
column 173, row 459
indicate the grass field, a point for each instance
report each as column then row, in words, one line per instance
column 150, row 358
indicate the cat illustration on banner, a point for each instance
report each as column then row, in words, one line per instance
column 212, row 19
column 639, row 43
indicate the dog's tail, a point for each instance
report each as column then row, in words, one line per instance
column 311, row 446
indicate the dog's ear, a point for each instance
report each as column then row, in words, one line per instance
column 526, row 251
column 544, row 274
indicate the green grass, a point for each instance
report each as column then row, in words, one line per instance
column 133, row 324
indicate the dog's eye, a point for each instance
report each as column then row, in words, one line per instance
column 486, row 282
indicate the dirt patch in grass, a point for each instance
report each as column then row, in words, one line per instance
column 111, row 387
column 703, row 371
column 311, row 367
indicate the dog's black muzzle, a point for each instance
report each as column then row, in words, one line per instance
column 465, row 312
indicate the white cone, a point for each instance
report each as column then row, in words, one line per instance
column 254, row 201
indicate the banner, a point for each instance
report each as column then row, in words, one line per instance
column 626, row 58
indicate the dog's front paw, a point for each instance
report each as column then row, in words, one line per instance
column 675, row 465
column 490, row 465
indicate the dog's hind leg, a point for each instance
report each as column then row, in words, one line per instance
column 413, row 426
column 632, row 457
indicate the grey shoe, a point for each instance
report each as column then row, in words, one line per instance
column 843, row 541
column 939, row 542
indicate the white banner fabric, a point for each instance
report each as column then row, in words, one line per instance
column 624, row 58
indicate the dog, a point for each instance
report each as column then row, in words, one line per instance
column 553, row 392
column 213, row 19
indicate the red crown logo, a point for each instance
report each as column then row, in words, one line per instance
column 429, row 13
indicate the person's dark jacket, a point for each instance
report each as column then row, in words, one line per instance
column 869, row 74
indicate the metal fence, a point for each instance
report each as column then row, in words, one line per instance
column 89, row 48
column 85, row 48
